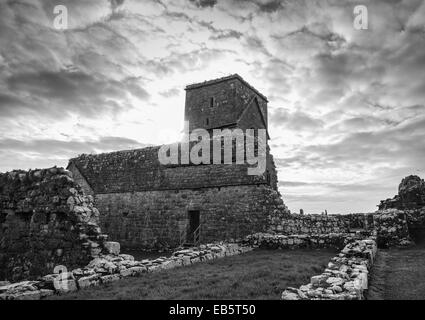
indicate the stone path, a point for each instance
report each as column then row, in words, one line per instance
column 398, row 274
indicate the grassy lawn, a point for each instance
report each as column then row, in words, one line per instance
column 398, row 274
column 260, row 274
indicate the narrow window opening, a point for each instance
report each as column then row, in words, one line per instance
column 211, row 102
column 268, row 177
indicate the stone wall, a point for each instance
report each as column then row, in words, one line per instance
column 145, row 205
column 411, row 195
column 229, row 96
column 345, row 278
column 155, row 219
column 298, row 241
column 314, row 224
column 140, row 170
column 46, row 220
column 392, row 228
column 113, row 266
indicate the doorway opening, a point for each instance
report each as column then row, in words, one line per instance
column 193, row 235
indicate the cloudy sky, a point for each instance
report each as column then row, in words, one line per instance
column 346, row 110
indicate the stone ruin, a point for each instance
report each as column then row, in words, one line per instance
column 145, row 204
column 408, row 205
column 411, row 195
column 54, row 217
column 46, row 220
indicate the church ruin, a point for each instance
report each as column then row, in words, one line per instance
column 144, row 204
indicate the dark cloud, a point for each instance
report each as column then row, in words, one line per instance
column 9, row 103
column 255, row 44
column 270, row 6
column 204, row 3
column 218, row 34
column 353, row 100
column 116, row 3
column 59, row 147
column 58, row 93
column 15, row 153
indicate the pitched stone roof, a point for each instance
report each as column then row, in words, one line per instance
column 140, row 170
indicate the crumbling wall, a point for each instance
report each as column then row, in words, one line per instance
column 391, row 228
column 46, row 220
column 314, row 224
column 411, row 195
column 345, row 278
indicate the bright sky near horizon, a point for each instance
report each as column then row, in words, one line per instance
column 346, row 106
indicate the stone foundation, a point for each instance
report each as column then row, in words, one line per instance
column 345, row 278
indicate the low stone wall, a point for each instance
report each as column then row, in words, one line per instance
column 279, row 241
column 112, row 267
column 45, row 220
column 345, row 278
column 391, row 228
column 314, row 224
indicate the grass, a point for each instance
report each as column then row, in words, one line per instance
column 398, row 274
column 260, row 274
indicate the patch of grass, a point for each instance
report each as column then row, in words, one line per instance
column 398, row 274
column 260, row 274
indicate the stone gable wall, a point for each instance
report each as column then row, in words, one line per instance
column 140, row 170
column 46, row 220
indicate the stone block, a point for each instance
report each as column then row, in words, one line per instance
column 112, row 247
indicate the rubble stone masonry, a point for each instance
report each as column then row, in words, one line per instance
column 46, row 220
column 155, row 219
column 146, row 205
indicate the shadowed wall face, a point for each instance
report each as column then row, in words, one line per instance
column 46, row 220
column 156, row 219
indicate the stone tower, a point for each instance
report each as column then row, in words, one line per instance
column 228, row 102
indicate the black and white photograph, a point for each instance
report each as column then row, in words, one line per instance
column 212, row 154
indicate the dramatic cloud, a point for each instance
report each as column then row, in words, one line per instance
column 49, row 152
column 346, row 110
